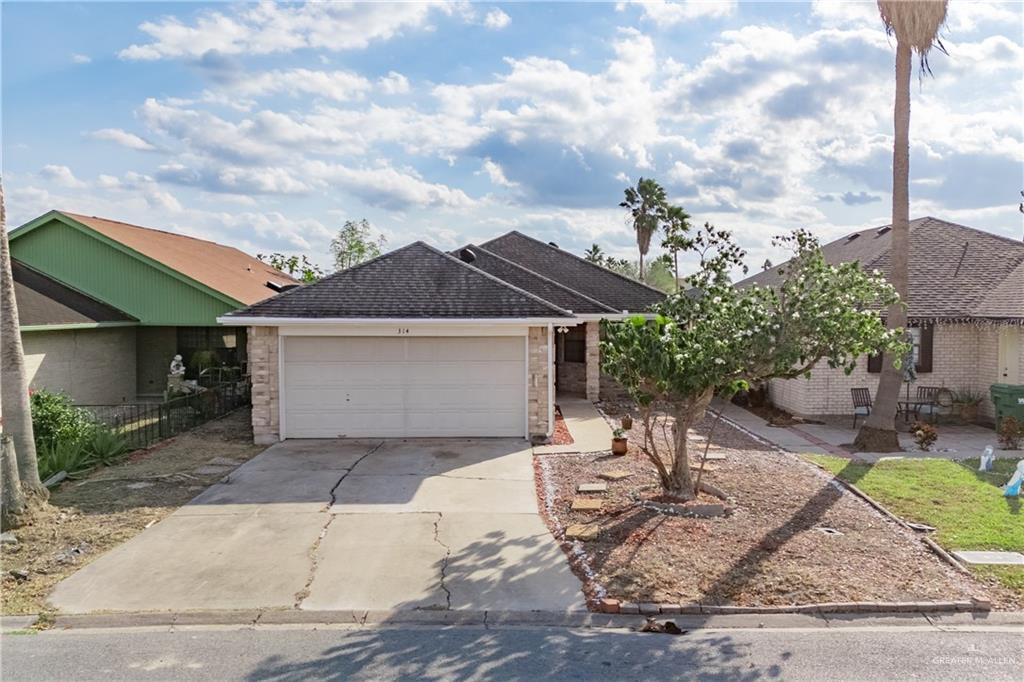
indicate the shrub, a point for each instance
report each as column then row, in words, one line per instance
column 62, row 455
column 1011, row 432
column 106, row 447
column 925, row 435
column 56, row 419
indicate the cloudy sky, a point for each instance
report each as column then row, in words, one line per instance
column 266, row 126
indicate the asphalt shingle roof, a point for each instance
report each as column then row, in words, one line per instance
column 610, row 288
column 537, row 285
column 44, row 301
column 956, row 272
column 415, row 281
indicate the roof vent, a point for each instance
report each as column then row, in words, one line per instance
column 852, row 237
column 279, row 288
column 467, row 255
column 883, row 230
column 553, row 244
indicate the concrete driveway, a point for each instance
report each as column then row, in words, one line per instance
column 346, row 524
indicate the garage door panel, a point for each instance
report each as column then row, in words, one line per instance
column 413, row 387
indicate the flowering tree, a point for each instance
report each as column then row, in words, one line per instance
column 716, row 337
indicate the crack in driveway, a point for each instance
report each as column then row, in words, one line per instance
column 302, row 594
column 444, row 562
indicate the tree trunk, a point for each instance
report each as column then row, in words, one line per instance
column 878, row 434
column 682, row 485
column 675, row 267
column 12, row 500
column 17, row 414
column 641, row 266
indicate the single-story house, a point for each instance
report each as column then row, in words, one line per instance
column 104, row 306
column 419, row 342
column 966, row 308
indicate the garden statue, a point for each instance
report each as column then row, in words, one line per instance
column 177, row 366
column 987, row 458
column 1013, row 485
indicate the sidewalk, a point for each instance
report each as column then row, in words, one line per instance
column 590, row 432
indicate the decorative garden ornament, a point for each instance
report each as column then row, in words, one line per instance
column 987, row 458
column 177, row 366
column 1013, row 485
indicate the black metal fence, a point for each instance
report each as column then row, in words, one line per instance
column 142, row 424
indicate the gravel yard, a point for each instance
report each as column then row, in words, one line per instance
column 794, row 536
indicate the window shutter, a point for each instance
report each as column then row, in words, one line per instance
column 875, row 363
column 924, row 358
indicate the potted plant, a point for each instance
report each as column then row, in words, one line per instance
column 627, row 421
column 925, row 435
column 619, row 442
column 968, row 401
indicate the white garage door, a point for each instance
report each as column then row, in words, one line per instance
column 352, row 386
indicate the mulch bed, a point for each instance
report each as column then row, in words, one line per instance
column 779, row 546
column 560, row 435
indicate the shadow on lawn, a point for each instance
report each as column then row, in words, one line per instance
column 999, row 476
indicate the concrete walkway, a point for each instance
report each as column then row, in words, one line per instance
column 346, row 524
column 956, row 441
column 589, row 430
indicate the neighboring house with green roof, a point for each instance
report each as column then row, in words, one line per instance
column 106, row 305
column 965, row 309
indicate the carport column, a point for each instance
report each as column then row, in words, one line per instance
column 593, row 363
column 263, row 372
column 538, row 383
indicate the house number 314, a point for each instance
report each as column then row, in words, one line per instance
column 403, row 330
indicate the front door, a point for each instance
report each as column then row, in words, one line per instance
column 1009, row 355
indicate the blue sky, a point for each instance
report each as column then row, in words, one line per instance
column 266, row 126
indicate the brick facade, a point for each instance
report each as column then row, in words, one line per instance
column 963, row 356
column 593, row 360
column 538, row 383
column 263, row 366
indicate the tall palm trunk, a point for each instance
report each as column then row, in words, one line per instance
column 17, row 413
column 878, row 434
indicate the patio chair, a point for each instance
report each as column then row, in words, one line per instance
column 928, row 397
column 861, row 403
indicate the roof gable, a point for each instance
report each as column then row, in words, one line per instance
column 414, row 282
column 609, row 288
column 530, row 281
column 955, row 271
column 43, row 301
column 222, row 271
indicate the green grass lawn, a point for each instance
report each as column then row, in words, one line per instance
column 966, row 506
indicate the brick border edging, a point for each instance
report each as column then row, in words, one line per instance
column 608, row 605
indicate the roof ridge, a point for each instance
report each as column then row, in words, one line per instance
column 488, row 275
column 971, row 229
column 540, row 276
column 582, row 260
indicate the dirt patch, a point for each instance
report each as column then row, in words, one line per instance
column 90, row 516
column 793, row 536
column 560, row 435
column 775, row 416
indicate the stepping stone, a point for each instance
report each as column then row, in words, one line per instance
column 139, row 486
column 1002, row 558
column 714, row 457
column 586, row 504
column 224, row 462
column 592, row 487
column 206, row 470
column 614, row 475
column 707, row 467
column 582, row 531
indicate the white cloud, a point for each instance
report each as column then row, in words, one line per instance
column 60, row 175
column 268, row 28
column 496, row 20
column 80, row 58
column 496, row 174
column 666, row 13
column 336, row 85
column 386, row 187
column 393, row 84
column 123, row 138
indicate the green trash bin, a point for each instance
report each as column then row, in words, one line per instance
column 1009, row 402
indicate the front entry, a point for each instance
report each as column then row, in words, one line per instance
column 1009, row 355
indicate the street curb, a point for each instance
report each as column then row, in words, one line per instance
column 488, row 619
column 849, row 607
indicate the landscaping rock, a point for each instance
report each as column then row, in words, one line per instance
column 225, row 462
column 18, row 575
column 8, row 538
column 209, row 469
column 586, row 504
column 615, row 475
column 608, row 606
column 139, row 485
column 582, row 531
column 714, row 457
column 592, row 487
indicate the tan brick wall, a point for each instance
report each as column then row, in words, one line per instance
column 964, row 356
column 593, row 360
column 263, row 366
column 538, row 382
column 93, row 366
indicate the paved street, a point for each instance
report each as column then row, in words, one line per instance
column 463, row 653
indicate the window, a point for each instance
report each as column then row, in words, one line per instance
column 575, row 344
column 922, row 340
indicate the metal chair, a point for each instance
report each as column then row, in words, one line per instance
column 861, row 403
column 928, row 397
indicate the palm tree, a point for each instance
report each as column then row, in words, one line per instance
column 594, row 254
column 916, row 26
column 646, row 203
column 17, row 414
column 677, row 224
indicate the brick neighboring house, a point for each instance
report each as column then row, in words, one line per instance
column 105, row 305
column 418, row 342
column 966, row 309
